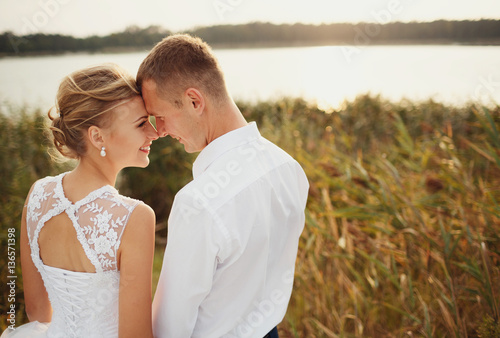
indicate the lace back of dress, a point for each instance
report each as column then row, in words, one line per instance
column 84, row 304
column 99, row 220
column 39, row 210
column 101, row 224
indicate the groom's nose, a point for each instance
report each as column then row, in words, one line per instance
column 161, row 130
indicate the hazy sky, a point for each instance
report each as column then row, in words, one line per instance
column 87, row 17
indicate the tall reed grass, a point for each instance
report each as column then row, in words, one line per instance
column 402, row 221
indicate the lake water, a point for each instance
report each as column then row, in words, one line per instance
column 326, row 75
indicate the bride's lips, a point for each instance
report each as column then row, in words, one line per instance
column 145, row 149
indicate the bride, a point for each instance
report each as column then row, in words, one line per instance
column 86, row 250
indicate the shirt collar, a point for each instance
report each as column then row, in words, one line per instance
column 223, row 144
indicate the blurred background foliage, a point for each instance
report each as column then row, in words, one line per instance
column 402, row 234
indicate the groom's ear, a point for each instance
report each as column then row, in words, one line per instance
column 195, row 99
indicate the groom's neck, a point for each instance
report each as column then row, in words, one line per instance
column 224, row 120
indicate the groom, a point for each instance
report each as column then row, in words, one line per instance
column 233, row 231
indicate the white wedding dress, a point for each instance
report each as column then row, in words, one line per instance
column 84, row 304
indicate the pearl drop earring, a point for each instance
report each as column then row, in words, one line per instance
column 103, row 152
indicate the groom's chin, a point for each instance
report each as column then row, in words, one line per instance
column 191, row 151
column 191, row 148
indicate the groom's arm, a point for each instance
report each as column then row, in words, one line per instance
column 187, row 273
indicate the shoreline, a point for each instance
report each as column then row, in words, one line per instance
column 263, row 44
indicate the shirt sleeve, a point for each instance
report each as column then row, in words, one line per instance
column 188, row 268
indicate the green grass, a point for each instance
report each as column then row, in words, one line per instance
column 402, row 234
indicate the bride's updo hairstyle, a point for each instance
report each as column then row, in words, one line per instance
column 86, row 98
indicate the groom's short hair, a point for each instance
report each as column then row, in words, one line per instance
column 179, row 62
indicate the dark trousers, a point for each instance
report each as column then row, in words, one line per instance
column 273, row 333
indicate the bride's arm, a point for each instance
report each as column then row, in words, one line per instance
column 36, row 299
column 135, row 263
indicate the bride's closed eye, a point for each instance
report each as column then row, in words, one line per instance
column 143, row 123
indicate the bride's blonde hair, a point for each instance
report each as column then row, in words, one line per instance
column 86, row 98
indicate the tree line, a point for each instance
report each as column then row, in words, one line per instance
column 265, row 34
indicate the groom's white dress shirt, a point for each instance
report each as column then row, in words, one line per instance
column 232, row 243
